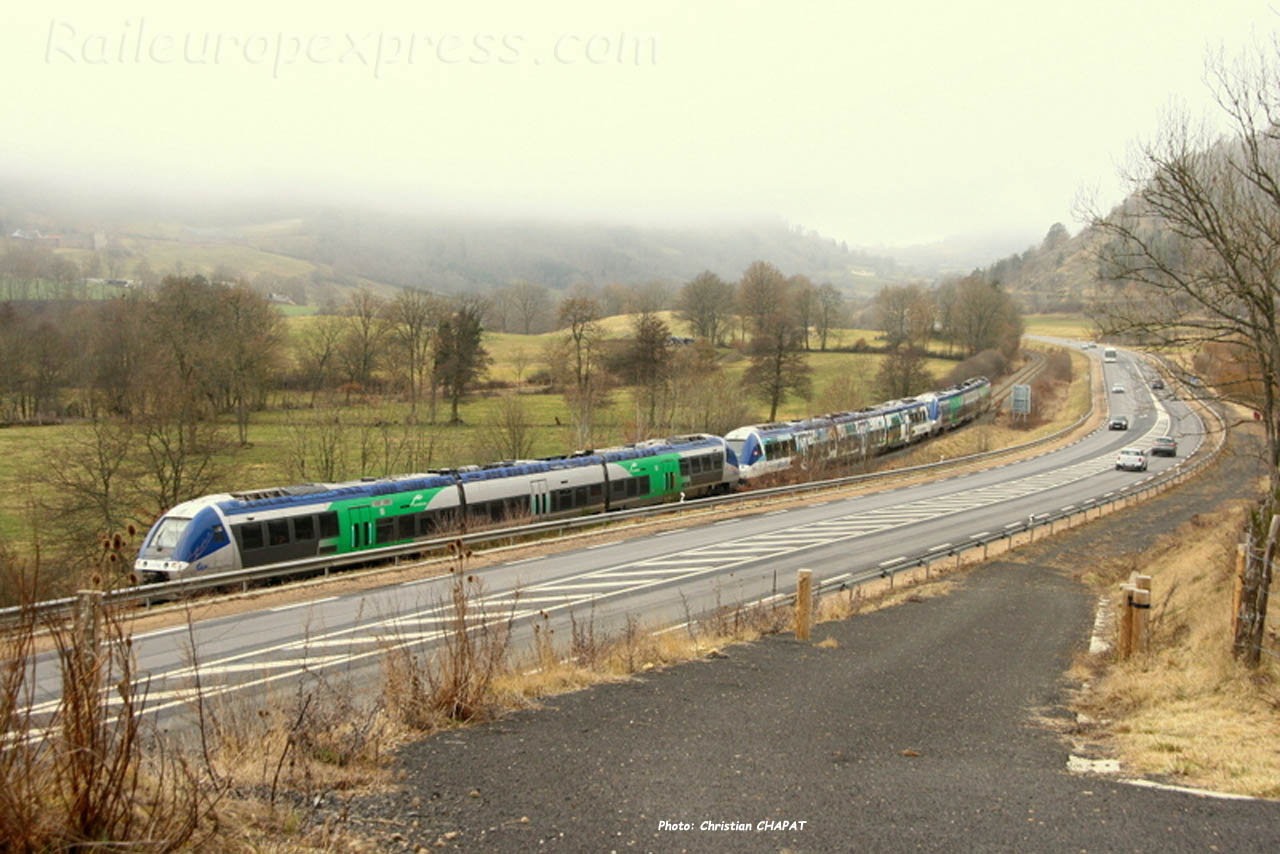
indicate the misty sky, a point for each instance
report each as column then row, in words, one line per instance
column 871, row 124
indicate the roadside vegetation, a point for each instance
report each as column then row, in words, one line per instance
column 272, row 773
column 1187, row 712
column 119, row 409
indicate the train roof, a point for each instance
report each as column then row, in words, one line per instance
column 313, row 493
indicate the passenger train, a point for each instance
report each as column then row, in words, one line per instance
column 220, row 533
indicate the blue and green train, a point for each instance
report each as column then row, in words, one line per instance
column 219, row 533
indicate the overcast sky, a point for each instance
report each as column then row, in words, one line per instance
column 869, row 123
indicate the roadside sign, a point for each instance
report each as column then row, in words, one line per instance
column 1021, row 400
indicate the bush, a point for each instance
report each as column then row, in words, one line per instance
column 989, row 363
column 1058, row 366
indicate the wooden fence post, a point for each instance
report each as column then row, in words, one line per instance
column 1237, row 589
column 1141, row 613
column 804, row 603
column 1124, row 640
column 1141, row 628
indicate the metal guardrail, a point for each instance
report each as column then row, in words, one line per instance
column 183, row 587
column 1124, row 497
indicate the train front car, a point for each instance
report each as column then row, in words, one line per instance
column 190, row 538
column 760, row 449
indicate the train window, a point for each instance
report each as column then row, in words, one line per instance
column 278, row 532
column 304, row 527
column 562, row 499
column 328, row 525
column 580, row 496
column 426, row 524
column 686, row 465
column 618, row 488
column 404, row 527
column 250, row 535
column 596, row 491
column 385, row 530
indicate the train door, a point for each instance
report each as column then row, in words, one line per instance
column 538, row 497
column 361, row 521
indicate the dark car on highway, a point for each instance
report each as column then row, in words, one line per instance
column 1119, row 422
column 1165, row 446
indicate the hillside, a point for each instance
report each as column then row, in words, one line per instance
column 1059, row 275
column 310, row 251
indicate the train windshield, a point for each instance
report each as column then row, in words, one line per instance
column 735, row 445
column 168, row 532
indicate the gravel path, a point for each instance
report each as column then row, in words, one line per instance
column 917, row 732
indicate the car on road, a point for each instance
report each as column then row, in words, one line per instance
column 1165, row 446
column 1119, row 422
column 1131, row 459
column 1157, row 383
column 1117, row 389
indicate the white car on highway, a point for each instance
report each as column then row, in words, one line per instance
column 1131, row 459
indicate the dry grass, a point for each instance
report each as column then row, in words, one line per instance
column 1187, row 710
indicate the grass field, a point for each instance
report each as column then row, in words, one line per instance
column 377, row 439
column 1075, row 326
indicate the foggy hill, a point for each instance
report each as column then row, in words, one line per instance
column 1058, row 274
column 307, row 248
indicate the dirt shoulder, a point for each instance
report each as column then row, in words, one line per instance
column 978, row 437
column 913, row 727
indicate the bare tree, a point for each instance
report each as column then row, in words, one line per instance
column 413, row 317
column 804, row 302
column 366, row 329
column 706, row 305
column 317, row 353
column 509, row 432
column 649, row 361
column 902, row 374
column 778, row 365
column 253, row 336
column 530, row 303
column 578, row 354
column 1193, row 256
column 761, row 293
column 984, row 317
column 829, row 312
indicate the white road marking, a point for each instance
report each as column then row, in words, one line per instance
column 302, row 604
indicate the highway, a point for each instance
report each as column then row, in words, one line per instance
column 658, row 579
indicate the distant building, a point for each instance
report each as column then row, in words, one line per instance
column 281, row 299
column 35, row 236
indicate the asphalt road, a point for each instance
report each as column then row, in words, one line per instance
column 918, row 732
column 656, row 579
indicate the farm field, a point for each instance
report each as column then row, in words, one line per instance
column 1076, row 326
column 379, row 437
